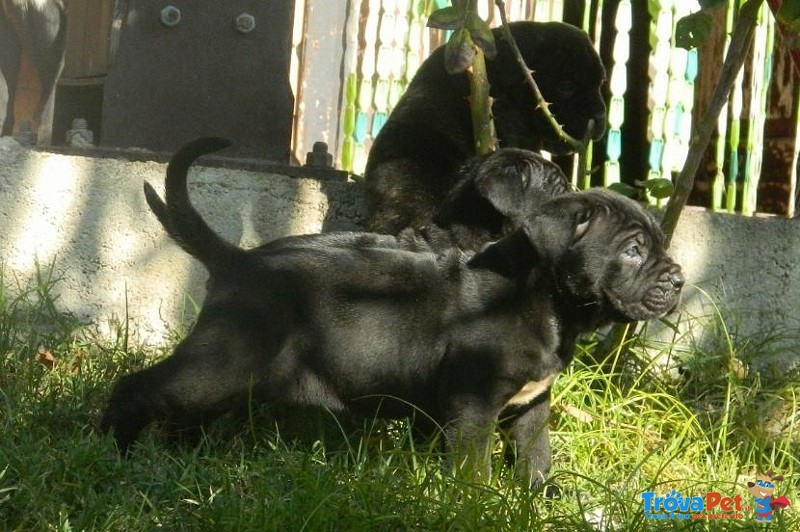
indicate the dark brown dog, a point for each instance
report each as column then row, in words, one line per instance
column 358, row 325
column 414, row 160
column 39, row 29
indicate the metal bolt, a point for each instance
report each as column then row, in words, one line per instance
column 170, row 16
column 245, row 23
column 319, row 156
column 79, row 135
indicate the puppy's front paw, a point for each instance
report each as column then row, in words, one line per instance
column 550, row 490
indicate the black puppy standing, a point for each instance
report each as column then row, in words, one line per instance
column 354, row 323
column 414, row 160
column 411, row 180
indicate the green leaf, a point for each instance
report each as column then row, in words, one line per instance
column 481, row 34
column 448, row 18
column 692, row 30
column 459, row 52
column 624, row 189
column 659, row 188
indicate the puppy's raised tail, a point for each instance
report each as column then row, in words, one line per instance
column 183, row 223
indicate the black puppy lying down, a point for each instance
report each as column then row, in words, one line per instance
column 493, row 195
column 354, row 323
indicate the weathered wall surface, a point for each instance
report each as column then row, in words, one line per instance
column 745, row 269
column 89, row 216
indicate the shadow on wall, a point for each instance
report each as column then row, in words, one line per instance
column 89, row 217
column 742, row 275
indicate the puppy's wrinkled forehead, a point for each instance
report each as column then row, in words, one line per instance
column 603, row 212
column 625, row 212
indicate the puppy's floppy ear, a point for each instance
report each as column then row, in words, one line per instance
column 464, row 204
column 515, row 182
column 560, row 224
column 504, row 187
column 543, row 239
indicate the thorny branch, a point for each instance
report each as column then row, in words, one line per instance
column 540, row 101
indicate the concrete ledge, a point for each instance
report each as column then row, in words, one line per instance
column 89, row 216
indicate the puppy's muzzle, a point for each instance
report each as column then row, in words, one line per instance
column 672, row 284
column 676, row 277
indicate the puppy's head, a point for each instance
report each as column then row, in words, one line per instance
column 501, row 188
column 603, row 252
column 569, row 74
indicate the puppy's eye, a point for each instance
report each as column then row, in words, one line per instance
column 632, row 252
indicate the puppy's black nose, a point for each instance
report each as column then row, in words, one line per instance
column 677, row 279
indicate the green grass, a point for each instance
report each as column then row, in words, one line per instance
column 697, row 419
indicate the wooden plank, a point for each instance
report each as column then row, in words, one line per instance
column 88, row 29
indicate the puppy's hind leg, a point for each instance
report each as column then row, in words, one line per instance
column 158, row 393
column 127, row 412
column 211, row 371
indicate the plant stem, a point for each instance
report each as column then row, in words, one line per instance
column 585, row 158
column 480, row 105
column 737, row 52
column 540, row 101
column 740, row 44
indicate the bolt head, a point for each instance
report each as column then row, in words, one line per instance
column 170, row 16
column 245, row 23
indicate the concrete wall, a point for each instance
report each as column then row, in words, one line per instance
column 89, row 216
column 744, row 273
